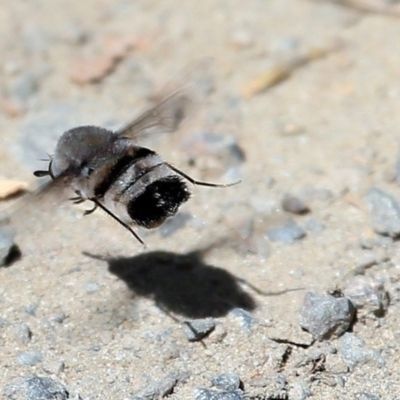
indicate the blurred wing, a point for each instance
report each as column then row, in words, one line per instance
column 164, row 117
column 172, row 108
column 41, row 200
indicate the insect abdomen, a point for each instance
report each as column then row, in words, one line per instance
column 160, row 200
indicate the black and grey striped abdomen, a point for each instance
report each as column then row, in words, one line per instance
column 144, row 186
column 159, row 200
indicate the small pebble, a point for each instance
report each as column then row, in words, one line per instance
column 24, row 334
column 227, row 382
column 246, row 319
column 385, row 212
column 288, row 233
column 30, row 358
column 368, row 396
column 314, row 225
column 161, row 388
column 9, row 251
column 92, row 287
column 32, row 309
column 368, row 295
column 198, row 329
column 35, row 388
column 209, row 394
column 299, row 391
column 354, row 351
column 294, row 205
column 326, row 316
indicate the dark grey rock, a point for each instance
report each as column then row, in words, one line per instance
column 35, row 388
column 24, row 333
column 30, row 358
column 294, row 205
column 197, row 329
column 288, row 233
column 354, row 351
column 326, row 316
column 245, row 318
column 209, row 394
column 385, row 212
column 161, row 388
column 368, row 295
column 9, row 251
column 227, row 382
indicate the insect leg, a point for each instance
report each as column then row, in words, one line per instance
column 126, row 226
column 87, row 212
column 200, row 183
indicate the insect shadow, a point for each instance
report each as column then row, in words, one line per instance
column 181, row 283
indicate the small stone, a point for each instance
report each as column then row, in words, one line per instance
column 354, row 351
column 198, row 329
column 29, row 358
column 227, row 382
column 294, row 205
column 32, row 309
column 288, row 233
column 161, row 388
column 385, row 212
column 326, row 316
column 92, row 287
column 314, row 225
column 218, row 334
column 9, row 188
column 368, row 396
column 368, row 295
column 246, row 319
column 299, row 391
column 35, row 388
column 24, row 334
column 59, row 318
column 9, row 251
column 209, row 394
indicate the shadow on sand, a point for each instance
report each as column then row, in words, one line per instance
column 181, row 283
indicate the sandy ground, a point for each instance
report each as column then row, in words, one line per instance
column 101, row 314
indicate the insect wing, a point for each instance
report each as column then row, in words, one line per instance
column 178, row 99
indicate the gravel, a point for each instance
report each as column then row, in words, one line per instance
column 227, row 382
column 287, row 233
column 9, row 251
column 198, row 329
column 30, row 358
column 294, row 205
column 367, row 295
column 326, row 316
column 385, row 212
column 35, row 388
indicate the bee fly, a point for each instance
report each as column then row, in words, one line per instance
column 132, row 184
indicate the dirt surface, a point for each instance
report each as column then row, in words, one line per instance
column 306, row 97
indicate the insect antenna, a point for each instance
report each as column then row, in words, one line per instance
column 200, row 183
column 39, row 174
column 126, row 226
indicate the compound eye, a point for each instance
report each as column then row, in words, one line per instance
column 87, row 171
